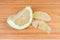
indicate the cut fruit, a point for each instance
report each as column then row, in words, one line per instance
column 35, row 23
column 21, row 20
column 41, row 15
column 39, row 24
column 44, row 26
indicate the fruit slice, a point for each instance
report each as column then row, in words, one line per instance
column 22, row 19
column 41, row 15
column 44, row 26
column 35, row 23
column 41, row 25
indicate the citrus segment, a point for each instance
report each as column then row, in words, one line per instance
column 21, row 20
column 41, row 15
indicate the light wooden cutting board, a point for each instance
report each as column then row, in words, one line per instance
column 10, row 7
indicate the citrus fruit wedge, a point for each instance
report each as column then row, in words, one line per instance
column 41, row 15
column 41, row 25
column 22, row 19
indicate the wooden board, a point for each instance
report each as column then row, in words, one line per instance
column 10, row 7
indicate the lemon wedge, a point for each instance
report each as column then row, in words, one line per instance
column 41, row 15
column 22, row 19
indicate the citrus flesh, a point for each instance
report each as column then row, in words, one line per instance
column 41, row 25
column 44, row 26
column 21, row 20
column 41, row 15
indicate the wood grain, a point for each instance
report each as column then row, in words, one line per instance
column 10, row 7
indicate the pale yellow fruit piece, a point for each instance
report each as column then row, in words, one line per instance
column 41, row 15
column 41, row 25
column 22, row 19
column 35, row 23
column 44, row 26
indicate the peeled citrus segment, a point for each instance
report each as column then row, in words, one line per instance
column 41, row 15
column 21, row 20
column 41, row 25
column 44, row 26
column 35, row 23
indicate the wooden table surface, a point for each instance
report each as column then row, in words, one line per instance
column 10, row 7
